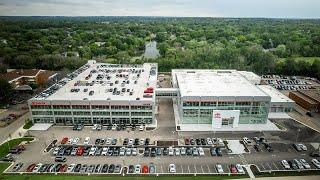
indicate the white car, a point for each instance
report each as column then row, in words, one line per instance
column 172, row 168
column 201, row 151
column 219, row 168
column 71, row 168
column 177, row 151
column 141, row 142
column 92, row 151
column 95, row 126
column 122, row 151
column 104, row 151
column 247, row 141
column 75, row 141
column 285, row 164
column 239, row 168
column 137, row 169
column 298, row 163
column 128, row 152
column 171, row 151
column 305, row 164
column 37, row 167
column 70, row 141
column 183, row 151
column 209, row 141
column 316, row 163
column 55, row 151
column 141, row 128
column 303, row 147
column 130, row 142
column 134, row 152
column 86, row 141
column 108, row 141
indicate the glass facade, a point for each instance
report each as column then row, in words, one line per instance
column 95, row 114
column 201, row 112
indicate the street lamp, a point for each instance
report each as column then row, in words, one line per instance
column 297, row 135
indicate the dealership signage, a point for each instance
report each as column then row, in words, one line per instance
column 222, row 118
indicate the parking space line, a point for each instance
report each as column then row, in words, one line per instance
column 201, row 168
column 275, row 165
column 195, row 169
column 270, row 168
column 208, row 169
column 281, row 166
column 188, row 168
column 181, row 168
column 162, row 169
column 262, row 166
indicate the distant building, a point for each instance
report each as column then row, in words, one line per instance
column 21, row 78
column 308, row 99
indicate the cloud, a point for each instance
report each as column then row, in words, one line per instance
column 212, row 8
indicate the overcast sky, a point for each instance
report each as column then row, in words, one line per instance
column 210, row 8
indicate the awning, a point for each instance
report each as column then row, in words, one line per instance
column 41, row 126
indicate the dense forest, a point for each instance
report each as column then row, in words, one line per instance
column 265, row 46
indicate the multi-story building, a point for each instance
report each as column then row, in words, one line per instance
column 99, row 93
column 219, row 100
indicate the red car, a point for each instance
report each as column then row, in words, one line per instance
column 64, row 140
column 21, row 147
column 63, row 168
column 30, row 168
column 187, row 141
column 233, row 169
column 145, row 169
column 80, row 151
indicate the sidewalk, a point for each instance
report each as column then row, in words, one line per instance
column 17, row 134
column 289, row 178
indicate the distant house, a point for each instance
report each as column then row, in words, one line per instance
column 21, row 78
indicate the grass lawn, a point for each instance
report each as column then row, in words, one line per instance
column 28, row 125
column 4, row 148
column 62, row 177
column 3, row 166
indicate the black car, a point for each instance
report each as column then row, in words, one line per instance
column 189, row 151
column 102, row 141
column 7, row 158
column 111, row 168
column 50, row 167
column 60, row 159
column 57, row 167
column 97, row 141
column 68, row 150
column 98, row 151
column 147, row 142
column 165, row 151
column 43, row 168
column 146, row 151
column 268, row 147
column 203, row 142
column 97, row 168
column 77, row 168
column 293, row 165
column 153, row 152
column 192, row 141
column 110, row 151
column 125, row 141
column 158, row 151
column 75, row 127
column 136, row 142
column 131, row 169
column 218, row 151
column 86, row 151
column 198, row 142
column 109, row 128
column 104, row 168
column 15, row 151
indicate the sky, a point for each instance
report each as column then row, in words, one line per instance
column 184, row 8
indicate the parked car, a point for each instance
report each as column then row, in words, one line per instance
column 297, row 147
column 71, row 168
column 130, row 169
column 60, row 159
column 64, row 140
column 247, row 141
column 239, row 168
column 145, row 169
column 316, row 163
column 219, row 168
column 305, row 164
column 172, row 168
column 201, row 151
column 298, row 163
column 233, row 169
column 55, row 151
column 257, row 148
column 152, row 168
column 30, row 167
column 137, row 169
column 86, row 141
column 285, row 164
column 37, row 167
column 17, row 167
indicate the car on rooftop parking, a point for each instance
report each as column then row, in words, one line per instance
column 172, row 168
column 285, row 164
column 219, row 168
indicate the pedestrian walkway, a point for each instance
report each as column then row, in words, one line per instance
column 250, row 173
column 17, row 134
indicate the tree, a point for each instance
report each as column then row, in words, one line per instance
column 5, row 91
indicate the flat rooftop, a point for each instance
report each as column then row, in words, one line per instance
column 275, row 95
column 215, row 83
column 101, row 81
